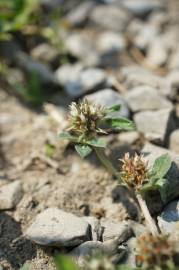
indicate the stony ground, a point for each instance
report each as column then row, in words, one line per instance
column 118, row 52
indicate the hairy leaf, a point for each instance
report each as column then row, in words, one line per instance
column 162, row 186
column 161, row 166
column 83, row 150
column 97, row 142
column 120, row 123
column 114, row 108
column 67, row 136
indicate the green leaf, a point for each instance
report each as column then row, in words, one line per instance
column 49, row 150
column 67, row 136
column 83, row 150
column 114, row 108
column 120, row 123
column 162, row 186
column 147, row 187
column 65, row 263
column 97, row 142
column 161, row 166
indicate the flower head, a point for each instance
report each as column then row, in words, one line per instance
column 134, row 170
column 85, row 117
column 154, row 252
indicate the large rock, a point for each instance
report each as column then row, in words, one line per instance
column 142, row 98
column 77, row 81
column 121, row 231
column 169, row 217
column 108, row 97
column 152, row 152
column 54, row 227
column 155, row 125
column 10, row 195
column 174, row 141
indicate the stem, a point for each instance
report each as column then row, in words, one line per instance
column 105, row 161
column 149, row 220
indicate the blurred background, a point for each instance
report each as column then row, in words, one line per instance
column 60, row 50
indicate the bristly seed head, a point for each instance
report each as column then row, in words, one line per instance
column 154, row 252
column 85, row 117
column 134, row 171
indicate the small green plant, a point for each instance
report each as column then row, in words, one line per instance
column 139, row 178
column 85, row 122
column 31, row 92
column 15, row 15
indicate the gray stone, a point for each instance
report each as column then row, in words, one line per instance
column 121, row 231
column 82, row 47
column 172, row 81
column 110, row 17
column 143, row 98
column 174, row 141
column 111, row 248
column 129, row 137
column 174, row 60
column 157, row 53
column 44, row 52
column 108, row 97
column 54, row 227
column 144, row 35
column 152, row 152
column 136, row 75
column 169, row 217
column 154, row 124
column 130, row 259
column 109, row 42
column 142, row 7
column 137, row 228
column 77, row 81
column 10, row 195
column 30, row 65
column 96, row 228
column 78, row 15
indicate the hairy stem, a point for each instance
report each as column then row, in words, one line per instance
column 105, row 161
column 149, row 220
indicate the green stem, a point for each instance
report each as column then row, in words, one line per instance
column 150, row 223
column 105, row 161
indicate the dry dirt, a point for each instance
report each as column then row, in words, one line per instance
column 65, row 181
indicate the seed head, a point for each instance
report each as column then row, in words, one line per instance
column 154, row 252
column 134, row 171
column 85, row 117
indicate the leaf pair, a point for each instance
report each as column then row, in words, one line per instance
column 157, row 179
column 84, row 146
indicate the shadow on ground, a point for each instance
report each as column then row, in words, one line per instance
column 14, row 249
